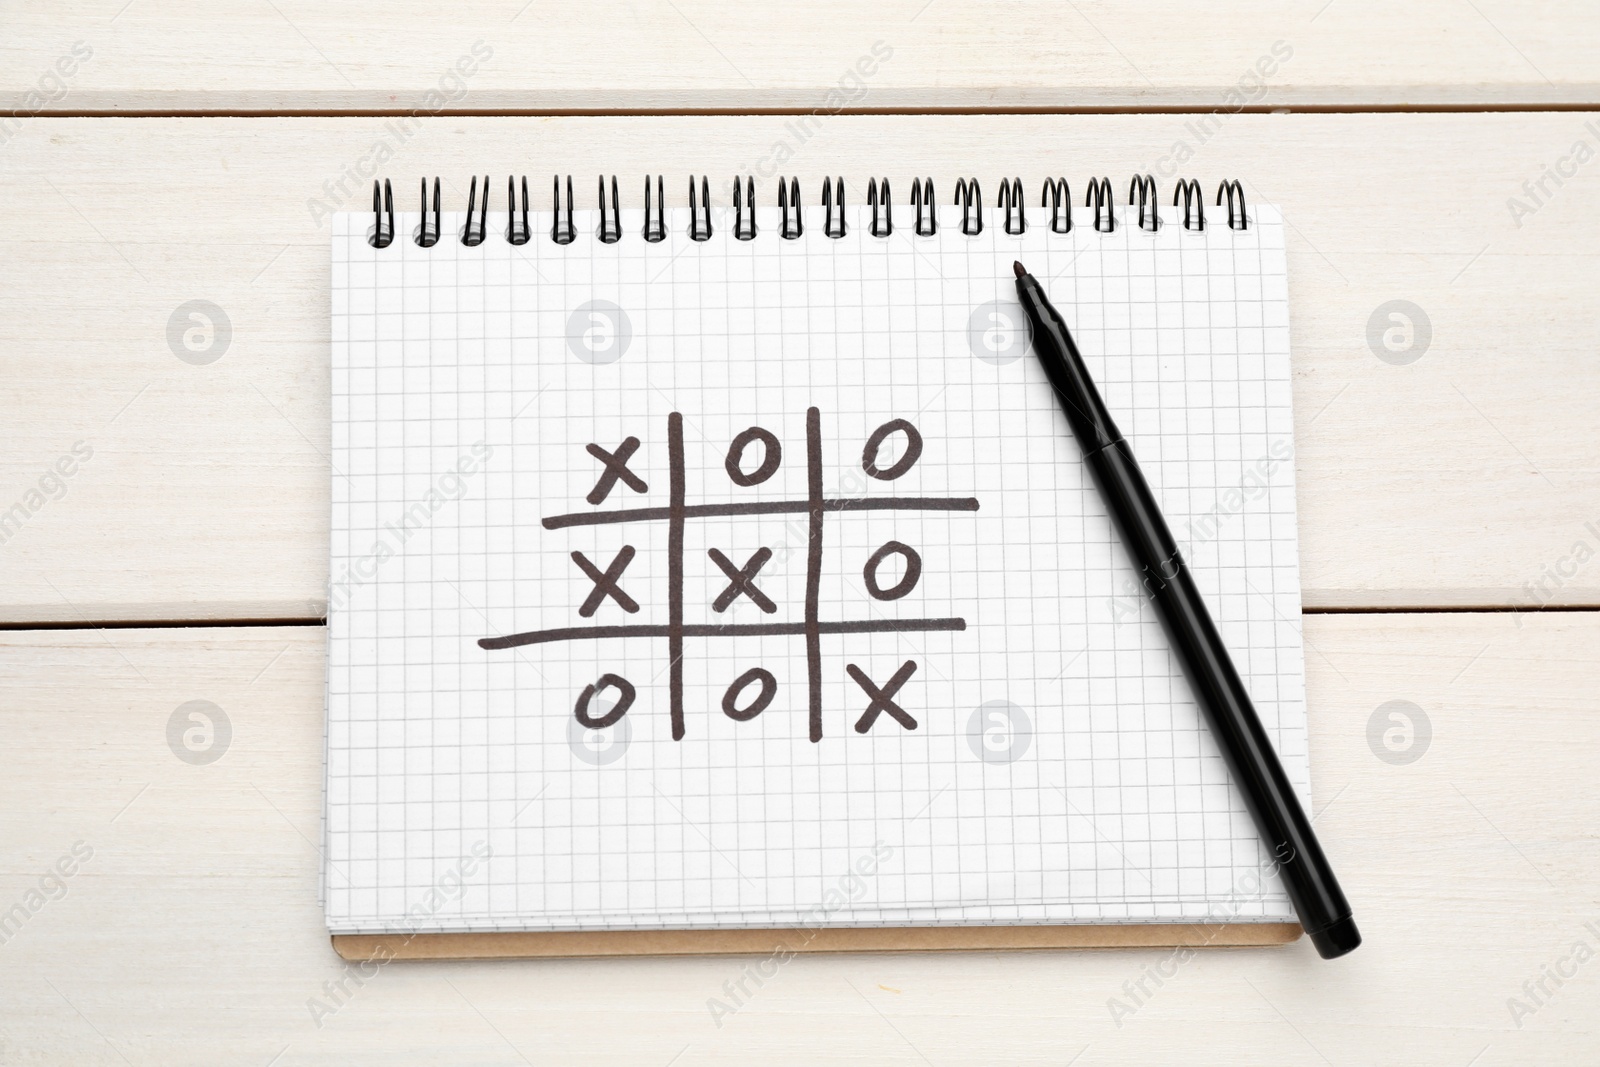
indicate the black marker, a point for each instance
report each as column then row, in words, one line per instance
column 1323, row 911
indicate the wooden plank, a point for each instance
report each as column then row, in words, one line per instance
column 612, row 55
column 192, row 932
column 1470, row 476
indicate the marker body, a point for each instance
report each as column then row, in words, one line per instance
column 1221, row 693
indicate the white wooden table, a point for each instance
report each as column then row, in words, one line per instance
column 157, row 154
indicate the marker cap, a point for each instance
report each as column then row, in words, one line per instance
column 1336, row 940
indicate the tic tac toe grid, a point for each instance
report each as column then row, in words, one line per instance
column 678, row 512
column 1057, row 769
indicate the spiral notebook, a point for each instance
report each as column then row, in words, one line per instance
column 717, row 569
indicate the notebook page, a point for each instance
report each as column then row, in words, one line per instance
column 909, row 683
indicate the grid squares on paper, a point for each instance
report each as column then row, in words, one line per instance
column 462, row 796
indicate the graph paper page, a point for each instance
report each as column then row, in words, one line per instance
column 749, row 583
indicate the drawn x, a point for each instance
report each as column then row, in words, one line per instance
column 605, row 585
column 742, row 581
column 880, row 701
column 616, row 469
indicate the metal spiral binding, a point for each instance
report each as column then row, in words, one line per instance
column 517, row 231
column 968, row 197
column 1142, row 193
column 740, row 232
column 789, row 196
column 700, row 213
column 426, row 236
column 1099, row 194
column 1059, row 196
column 923, row 194
column 382, row 235
column 655, row 229
column 610, row 231
column 562, row 234
column 1233, row 189
column 888, row 208
column 1194, row 204
column 828, row 197
column 477, row 228
column 1011, row 199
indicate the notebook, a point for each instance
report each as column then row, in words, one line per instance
column 706, row 568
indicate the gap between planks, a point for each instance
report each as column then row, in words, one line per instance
column 751, row 112
column 313, row 621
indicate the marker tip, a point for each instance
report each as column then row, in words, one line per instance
column 1019, row 268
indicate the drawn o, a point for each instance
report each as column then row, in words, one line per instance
column 625, row 695
column 730, row 699
column 908, row 580
column 771, row 456
column 869, row 455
